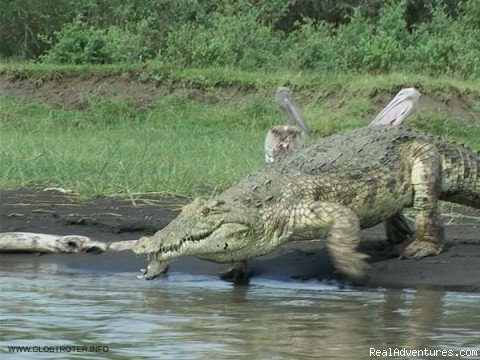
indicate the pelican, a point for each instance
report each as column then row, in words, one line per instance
column 402, row 105
column 282, row 139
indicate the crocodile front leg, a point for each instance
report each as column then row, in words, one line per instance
column 343, row 238
column 239, row 273
column 426, row 180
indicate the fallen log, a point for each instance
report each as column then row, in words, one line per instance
column 24, row 242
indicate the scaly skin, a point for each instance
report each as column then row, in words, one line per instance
column 329, row 190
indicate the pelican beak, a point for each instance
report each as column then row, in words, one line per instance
column 402, row 105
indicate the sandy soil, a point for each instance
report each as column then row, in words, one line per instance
column 117, row 218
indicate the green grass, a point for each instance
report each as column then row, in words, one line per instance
column 182, row 145
column 205, row 77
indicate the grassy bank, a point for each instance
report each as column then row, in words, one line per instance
column 200, row 131
column 179, row 146
column 224, row 76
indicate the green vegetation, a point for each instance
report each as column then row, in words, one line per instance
column 176, row 147
column 215, row 65
column 427, row 36
column 204, row 131
column 205, row 78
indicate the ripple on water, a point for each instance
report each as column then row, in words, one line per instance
column 185, row 316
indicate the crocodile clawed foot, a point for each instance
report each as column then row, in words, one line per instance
column 399, row 229
column 357, row 268
column 237, row 274
column 419, row 249
column 395, row 251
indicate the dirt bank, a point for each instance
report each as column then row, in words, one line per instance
column 116, row 218
column 73, row 92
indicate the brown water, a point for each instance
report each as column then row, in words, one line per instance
column 185, row 316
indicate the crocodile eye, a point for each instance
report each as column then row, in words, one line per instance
column 205, row 210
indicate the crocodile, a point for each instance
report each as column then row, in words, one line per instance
column 328, row 190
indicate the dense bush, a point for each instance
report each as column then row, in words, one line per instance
column 432, row 36
column 22, row 20
column 224, row 38
column 79, row 43
column 448, row 45
column 445, row 44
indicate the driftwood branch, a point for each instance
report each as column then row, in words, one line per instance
column 125, row 245
column 24, row 242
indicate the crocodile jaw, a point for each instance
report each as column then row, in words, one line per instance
column 223, row 244
column 154, row 269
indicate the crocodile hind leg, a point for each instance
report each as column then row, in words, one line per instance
column 343, row 239
column 400, row 232
column 426, row 179
column 398, row 229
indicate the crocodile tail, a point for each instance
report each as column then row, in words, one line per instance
column 460, row 174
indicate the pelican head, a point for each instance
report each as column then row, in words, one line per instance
column 402, row 105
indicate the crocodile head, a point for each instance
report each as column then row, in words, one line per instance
column 212, row 229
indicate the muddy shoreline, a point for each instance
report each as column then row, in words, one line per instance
column 119, row 218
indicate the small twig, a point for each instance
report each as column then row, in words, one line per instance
column 62, row 190
column 43, row 211
column 43, row 204
column 111, row 214
column 15, row 215
column 132, row 200
column 462, row 216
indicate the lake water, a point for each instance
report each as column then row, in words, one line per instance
column 185, row 316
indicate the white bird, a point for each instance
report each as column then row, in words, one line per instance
column 402, row 105
column 282, row 139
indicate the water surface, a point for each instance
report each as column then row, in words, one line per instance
column 185, row 316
